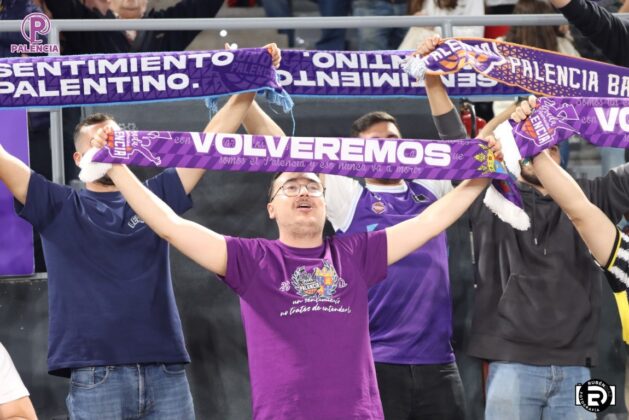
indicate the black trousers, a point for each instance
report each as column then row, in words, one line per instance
column 421, row 392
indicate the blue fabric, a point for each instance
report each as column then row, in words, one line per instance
column 109, row 288
column 519, row 391
column 148, row 392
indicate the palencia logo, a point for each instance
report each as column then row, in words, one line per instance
column 595, row 395
column 406, row 152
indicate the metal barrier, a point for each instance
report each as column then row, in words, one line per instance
column 445, row 23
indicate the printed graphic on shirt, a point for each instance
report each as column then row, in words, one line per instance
column 134, row 221
column 317, row 286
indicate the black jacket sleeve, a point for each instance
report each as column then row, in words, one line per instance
column 610, row 193
column 449, row 125
column 605, row 30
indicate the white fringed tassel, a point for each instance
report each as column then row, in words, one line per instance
column 91, row 171
column 415, row 67
column 505, row 210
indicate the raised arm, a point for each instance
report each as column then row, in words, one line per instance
column 406, row 237
column 205, row 247
column 228, row 120
column 438, row 98
column 606, row 31
column 14, row 174
column 597, row 231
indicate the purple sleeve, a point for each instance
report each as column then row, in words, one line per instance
column 44, row 200
column 168, row 187
column 368, row 254
column 243, row 263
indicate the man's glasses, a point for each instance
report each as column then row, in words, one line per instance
column 292, row 188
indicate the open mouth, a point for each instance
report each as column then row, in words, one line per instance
column 304, row 205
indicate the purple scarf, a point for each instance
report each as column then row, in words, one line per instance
column 604, row 122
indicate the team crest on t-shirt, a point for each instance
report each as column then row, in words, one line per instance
column 321, row 283
column 378, row 207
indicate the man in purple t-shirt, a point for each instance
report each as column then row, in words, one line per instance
column 303, row 298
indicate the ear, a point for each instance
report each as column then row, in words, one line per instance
column 271, row 210
column 77, row 158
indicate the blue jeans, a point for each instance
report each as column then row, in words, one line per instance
column 371, row 39
column 152, row 391
column 525, row 392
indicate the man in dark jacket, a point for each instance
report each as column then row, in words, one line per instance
column 605, row 30
column 537, row 303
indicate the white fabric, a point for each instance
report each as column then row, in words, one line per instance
column 341, row 197
column 11, row 386
column 463, row 8
column 506, row 210
column 91, row 171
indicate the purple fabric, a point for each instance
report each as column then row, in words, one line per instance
column 373, row 158
column 364, row 158
column 138, row 77
column 371, row 73
column 410, row 312
column 16, row 241
column 603, row 122
column 305, row 318
column 537, row 71
column 498, row 68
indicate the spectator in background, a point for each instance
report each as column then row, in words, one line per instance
column 14, row 400
column 381, row 38
column 281, row 8
column 606, row 31
column 443, row 8
column 120, row 41
column 333, row 39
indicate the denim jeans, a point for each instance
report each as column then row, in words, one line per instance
column 426, row 392
column 371, row 39
column 525, row 392
column 151, row 391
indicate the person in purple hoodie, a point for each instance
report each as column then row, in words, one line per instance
column 304, row 298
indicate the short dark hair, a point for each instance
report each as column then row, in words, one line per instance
column 90, row 120
column 271, row 189
column 363, row 123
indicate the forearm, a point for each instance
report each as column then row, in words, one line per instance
column 560, row 186
column 227, row 120
column 147, row 205
column 597, row 231
column 258, row 122
column 14, row 174
column 438, row 98
column 407, row 236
